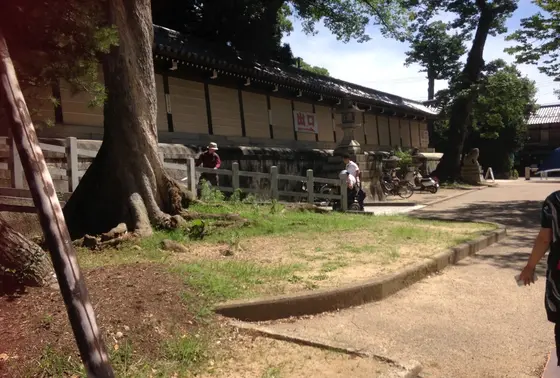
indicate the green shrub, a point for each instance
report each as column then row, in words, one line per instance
column 210, row 194
column 406, row 159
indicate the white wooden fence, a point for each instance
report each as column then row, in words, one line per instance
column 72, row 172
column 273, row 177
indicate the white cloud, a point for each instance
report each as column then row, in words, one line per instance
column 378, row 63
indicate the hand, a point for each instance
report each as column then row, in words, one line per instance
column 527, row 275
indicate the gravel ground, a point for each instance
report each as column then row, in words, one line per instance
column 472, row 320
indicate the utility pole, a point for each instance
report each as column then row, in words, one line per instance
column 70, row 280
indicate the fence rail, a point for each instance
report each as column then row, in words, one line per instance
column 73, row 174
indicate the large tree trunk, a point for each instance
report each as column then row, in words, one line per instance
column 450, row 164
column 431, row 95
column 431, row 86
column 126, row 182
column 22, row 262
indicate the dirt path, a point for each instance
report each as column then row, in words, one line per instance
column 470, row 321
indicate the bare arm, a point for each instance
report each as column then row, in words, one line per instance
column 541, row 245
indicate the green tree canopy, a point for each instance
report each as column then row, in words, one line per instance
column 315, row 69
column 539, row 39
column 256, row 27
column 437, row 52
column 54, row 39
column 482, row 18
column 504, row 100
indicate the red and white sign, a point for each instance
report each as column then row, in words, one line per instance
column 305, row 122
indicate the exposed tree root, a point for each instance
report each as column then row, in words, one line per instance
column 308, row 207
column 22, row 262
column 188, row 215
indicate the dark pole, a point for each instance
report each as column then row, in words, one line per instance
column 70, row 280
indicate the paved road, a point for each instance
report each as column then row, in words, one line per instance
column 471, row 320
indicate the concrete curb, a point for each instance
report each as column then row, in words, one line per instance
column 409, row 369
column 332, row 299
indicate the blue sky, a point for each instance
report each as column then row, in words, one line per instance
column 378, row 63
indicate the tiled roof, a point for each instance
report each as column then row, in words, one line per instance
column 546, row 114
column 171, row 44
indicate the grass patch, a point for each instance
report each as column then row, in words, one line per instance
column 331, row 266
column 189, row 351
column 286, row 249
column 178, row 356
column 53, row 363
column 223, row 280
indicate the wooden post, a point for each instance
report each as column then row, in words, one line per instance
column 310, row 186
column 235, row 176
column 72, row 170
column 343, row 192
column 274, row 183
column 191, row 171
column 527, row 173
column 70, row 279
column 16, row 169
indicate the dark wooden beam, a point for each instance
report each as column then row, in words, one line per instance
column 168, row 109
column 208, row 108
column 241, row 112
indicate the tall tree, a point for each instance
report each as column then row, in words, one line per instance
column 539, row 41
column 504, row 102
column 485, row 18
column 126, row 182
column 437, row 52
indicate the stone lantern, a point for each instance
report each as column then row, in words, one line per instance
column 351, row 119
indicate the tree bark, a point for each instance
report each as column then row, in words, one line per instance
column 126, row 182
column 431, row 95
column 449, row 167
column 431, row 87
column 22, row 262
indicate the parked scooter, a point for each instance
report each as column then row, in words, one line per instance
column 424, row 183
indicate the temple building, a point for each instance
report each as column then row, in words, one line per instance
column 207, row 95
column 543, row 129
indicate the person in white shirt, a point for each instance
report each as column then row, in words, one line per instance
column 352, row 167
column 354, row 170
column 350, row 180
column 353, row 189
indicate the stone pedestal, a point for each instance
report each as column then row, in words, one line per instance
column 348, row 145
column 472, row 174
column 471, row 171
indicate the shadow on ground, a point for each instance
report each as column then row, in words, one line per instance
column 522, row 219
